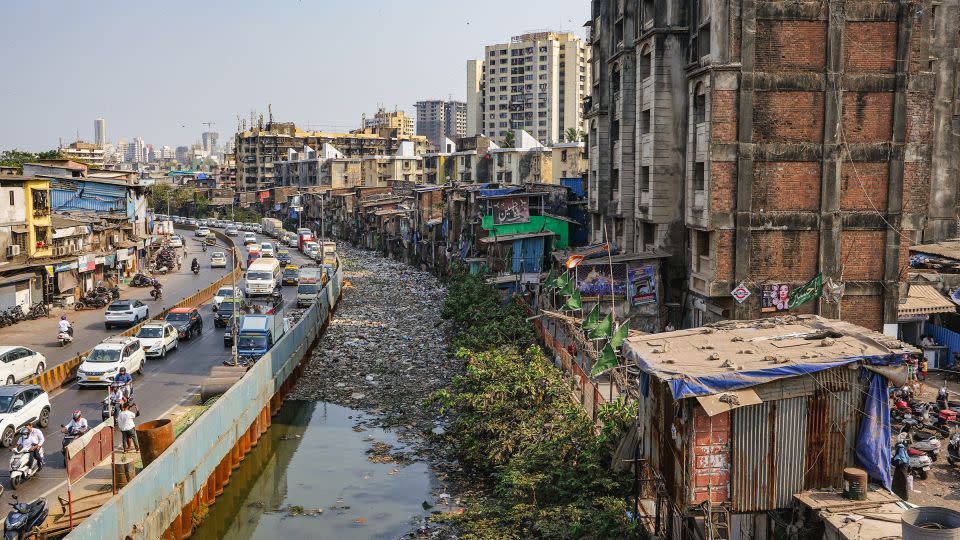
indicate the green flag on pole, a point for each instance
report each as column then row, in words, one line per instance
column 573, row 303
column 607, row 360
column 551, row 280
column 569, row 286
column 592, row 319
column 562, row 280
column 806, row 292
column 620, row 335
column 603, row 329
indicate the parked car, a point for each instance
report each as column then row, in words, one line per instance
column 187, row 321
column 128, row 312
column 231, row 231
column 218, row 260
column 290, row 275
column 158, row 338
column 105, row 360
column 20, row 363
column 176, row 241
column 19, row 404
column 224, row 293
column 202, row 232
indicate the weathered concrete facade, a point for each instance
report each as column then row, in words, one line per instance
column 766, row 143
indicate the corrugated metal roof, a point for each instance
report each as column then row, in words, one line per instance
column 948, row 248
column 924, row 300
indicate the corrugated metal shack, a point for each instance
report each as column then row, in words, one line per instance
column 737, row 417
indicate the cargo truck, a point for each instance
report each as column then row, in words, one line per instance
column 303, row 238
column 263, row 276
column 258, row 333
column 272, row 227
column 310, row 283
column 329, row 250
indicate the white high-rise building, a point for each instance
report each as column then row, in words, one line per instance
column 100, row 132
column 136, row 151
column 210, row 139
column 536, row 83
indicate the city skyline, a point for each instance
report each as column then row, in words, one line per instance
column 171, row 106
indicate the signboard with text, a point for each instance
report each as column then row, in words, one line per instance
column 511, row 210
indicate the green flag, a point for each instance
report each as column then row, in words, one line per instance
column 592, row 319
column 620, row 335
column 603, row 329
column 569, row 285
column 607, row 360
column 573, row 303
column 561, row 281
column 806, row 292
column 551, row 280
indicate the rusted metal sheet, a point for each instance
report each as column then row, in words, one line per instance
column 831, row 427
column 769, row 454
column 86, row 452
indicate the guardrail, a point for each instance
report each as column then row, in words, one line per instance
column 163, row 499
column 65, row 372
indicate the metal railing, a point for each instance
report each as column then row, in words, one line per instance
column 154, row 500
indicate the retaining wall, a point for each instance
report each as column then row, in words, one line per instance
column 166, row 499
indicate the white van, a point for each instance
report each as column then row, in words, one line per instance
column 263, row 276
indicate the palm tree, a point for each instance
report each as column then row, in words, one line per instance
column 508, row 140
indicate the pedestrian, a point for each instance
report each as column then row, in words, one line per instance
column 923, row 368
column 179, row 261
column 126, row 425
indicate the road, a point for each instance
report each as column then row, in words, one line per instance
column 164, row 384
column 41, row 334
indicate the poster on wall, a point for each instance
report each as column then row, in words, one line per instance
column 511, row 210
column 596, row 283
column 775, row 298
column 643, row 285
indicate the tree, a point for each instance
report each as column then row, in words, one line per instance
column 509, row 141
column 52, row 154
column 573, row 134
column 16, row 158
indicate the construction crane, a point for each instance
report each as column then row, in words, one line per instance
column 208, row 124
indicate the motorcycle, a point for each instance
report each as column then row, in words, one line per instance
column 24, row 518
column 953, row 449
column 64, row 338
column 924, row 442
column 39, row 310
column 69, row 435
column 141, row 280
column 20, row 471
column 919, row 463
column 110, row 406
column 156, row 293
column 196, row 270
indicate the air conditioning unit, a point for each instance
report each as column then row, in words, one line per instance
column 13, row 251
column 116, row 238
column 57, row 251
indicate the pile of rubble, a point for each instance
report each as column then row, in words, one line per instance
column 386, row 348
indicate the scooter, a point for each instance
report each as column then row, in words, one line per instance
column 110, row 407
column 64, row 338
column 196, row 270
column 924, row 442
column 20, row 471
column 69, row 435
column 156, row 293
column 919, row 463
column 24, row 518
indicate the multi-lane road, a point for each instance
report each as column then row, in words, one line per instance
column 165, row 383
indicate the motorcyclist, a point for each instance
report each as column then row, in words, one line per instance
column 125, row 381
column 195, row 265
column 32, row 439
column 65, row 325
column 77, row 426
column 158, row 288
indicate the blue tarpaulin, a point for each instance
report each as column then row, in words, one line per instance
column 498, row 192
column 873, row 440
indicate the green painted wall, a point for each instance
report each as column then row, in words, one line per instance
column 536, row 224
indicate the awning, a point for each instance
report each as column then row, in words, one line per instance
column 17, row 278
column 512, row 237
column 715, row 404
column 924, row 300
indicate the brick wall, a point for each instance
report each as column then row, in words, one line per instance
column 786, row 186
column 870, row 46
column 863, row 183
column 916, row 186
column 723, row 260
column 919, row 118
column 723, row 185
column 723, row 116
column 784, row 255
column 711, row 456
column 867, row 311
column 786, row 117
column 867, row 116
column 861, row 254
column 791, row 45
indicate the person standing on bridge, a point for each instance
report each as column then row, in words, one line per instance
column 127, row 427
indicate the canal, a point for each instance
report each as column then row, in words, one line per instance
column 311, row 476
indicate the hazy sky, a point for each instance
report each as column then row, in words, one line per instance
column 159, row 69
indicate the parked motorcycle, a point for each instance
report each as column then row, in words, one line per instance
column 39, row 310
column 919, row 463
column 141, row 280
column 953, row 449
column 924, row 442
column 24, row 518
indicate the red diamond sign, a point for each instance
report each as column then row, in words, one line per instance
column 740, row 293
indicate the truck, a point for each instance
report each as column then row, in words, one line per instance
column 309, row 284
column 258, row 333
column 329, row 250
column 272, row 227
column 253, row 253
column 263, row 276
column 303, row 237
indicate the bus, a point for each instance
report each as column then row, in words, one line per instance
column 263, row 276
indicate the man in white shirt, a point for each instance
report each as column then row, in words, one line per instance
column 32, row 439
column 78, row 424
column 126, row 426
column 65, row 325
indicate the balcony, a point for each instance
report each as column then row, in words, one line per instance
column 646, row 90
column 701, row 134
column 699, row 199
column 617, row 106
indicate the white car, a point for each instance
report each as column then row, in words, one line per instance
column 20, row 404
column 226, row 292
column 202, row 232
column 158, row 338
column 176, row 241
column 128, row 312
column 249, row 238
column 231, row 231
column 105, row 360
column 266, row 249
column 218, row 260
column 20, row 363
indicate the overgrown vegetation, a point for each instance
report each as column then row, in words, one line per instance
column 514, row 424
column 191, row 202
column 16, row 158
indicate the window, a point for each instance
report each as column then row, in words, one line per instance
column 645, row 179
column 645, row 62
column 699, row 176
column 648, row 232
column 699, row 104
column 645, row 122
column 12, row 202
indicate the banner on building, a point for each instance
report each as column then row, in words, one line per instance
column 86, row 263
column 776, row 297
column 643, row 284
column 65, row 267
column 595, row 281
column 806, row 292
column 511, row 210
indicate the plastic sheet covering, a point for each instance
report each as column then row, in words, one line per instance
column 873, row 441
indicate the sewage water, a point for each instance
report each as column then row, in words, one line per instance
column 311, row 457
